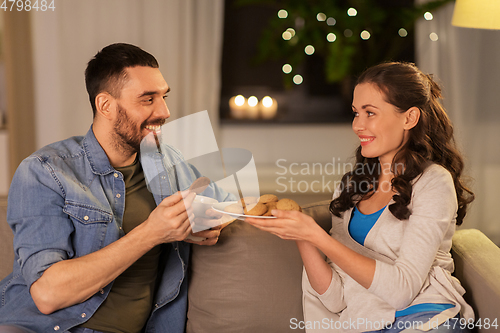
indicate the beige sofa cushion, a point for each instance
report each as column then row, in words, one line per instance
column 250, row 281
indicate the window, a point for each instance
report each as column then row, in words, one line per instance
column 311, row 99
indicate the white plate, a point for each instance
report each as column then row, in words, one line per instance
column 219, row 207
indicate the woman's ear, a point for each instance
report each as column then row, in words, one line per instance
column 412, row 117
column 104, row 104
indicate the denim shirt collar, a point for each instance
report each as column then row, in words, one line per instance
column 99, row 161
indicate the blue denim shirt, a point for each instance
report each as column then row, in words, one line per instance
column 66, row 201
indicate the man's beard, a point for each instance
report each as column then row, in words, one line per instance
column 128, row 135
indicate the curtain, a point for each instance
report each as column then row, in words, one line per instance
column 467, row 64
column 185, row 36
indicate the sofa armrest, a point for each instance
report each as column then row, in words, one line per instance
column 477, row 266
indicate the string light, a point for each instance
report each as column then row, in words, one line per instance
column 402, row 32
column 352, row 12
column 286, row 35
column 365, row 35
column 428, row 16
column 348, row 33
column 309, row 49
column 331, row 21
column 282, row 14
column 297, row 79
column 331, row 37
column 287, row 68
column 433, row 36
column 321, row 17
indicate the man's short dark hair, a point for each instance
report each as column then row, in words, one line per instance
column 106, row 71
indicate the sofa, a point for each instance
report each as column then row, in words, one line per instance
column 250, row 281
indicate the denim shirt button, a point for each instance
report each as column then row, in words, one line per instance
column 118, row 195
column 116, row 175
column 56, row 328
column 86, row 218
column 84, row 315
column 157, row 306
column 101, row 291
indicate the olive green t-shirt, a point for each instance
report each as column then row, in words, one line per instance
column 128, row 305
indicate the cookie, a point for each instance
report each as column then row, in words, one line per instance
column 235, row 208
column 270, row 207
column 267, row 198
column 288, row 204
column 257, row 209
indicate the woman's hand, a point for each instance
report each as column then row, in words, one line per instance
column 290, row 225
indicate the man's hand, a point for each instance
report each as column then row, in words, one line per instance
column 169, row 222
column 210, row 236
column 73, row 281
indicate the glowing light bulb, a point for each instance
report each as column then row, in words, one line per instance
column 352, row 12
column 365, row 35
column 321, row 17
column 286, row 35
column 297, row 79
column 287, row 68
column 433, row 36
column 428, row 16
column 402, row 32
column 309, row 49
column 331, row 37
column 282, row 13
column 331, row 21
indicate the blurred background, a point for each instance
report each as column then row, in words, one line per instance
column 276, row 78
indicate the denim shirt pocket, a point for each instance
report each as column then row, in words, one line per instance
column 91, row 225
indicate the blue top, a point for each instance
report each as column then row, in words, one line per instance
column 66, row 201
column 424, row 307
column 361, row 224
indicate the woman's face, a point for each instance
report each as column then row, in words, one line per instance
column 378, row 124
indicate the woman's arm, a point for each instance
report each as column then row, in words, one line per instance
column 317, row 269
column 302, row 228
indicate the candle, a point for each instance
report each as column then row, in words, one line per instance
column 268, row 107
column 237, row 105
column 252, row 108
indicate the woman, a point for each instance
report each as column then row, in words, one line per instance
column 388, row 264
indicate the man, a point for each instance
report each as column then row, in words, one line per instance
column 95, row 250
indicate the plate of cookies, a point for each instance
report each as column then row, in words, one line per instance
column 258, row 207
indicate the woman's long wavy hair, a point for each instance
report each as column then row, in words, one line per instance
column 431, row 140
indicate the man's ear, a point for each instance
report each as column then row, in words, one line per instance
column 412, row 117
column 105, row 105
